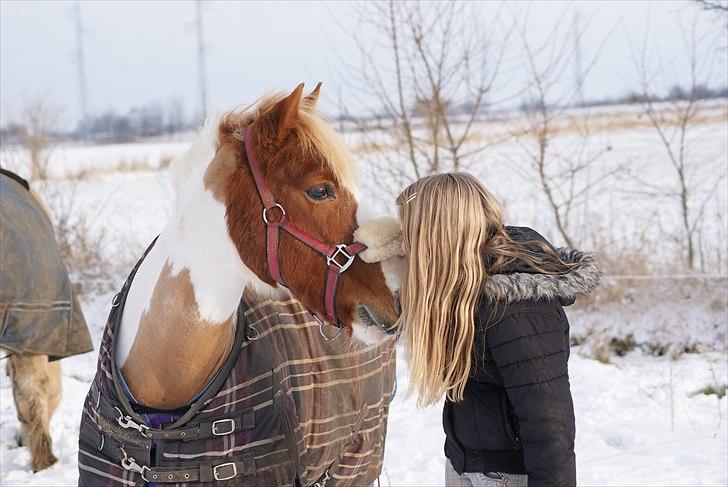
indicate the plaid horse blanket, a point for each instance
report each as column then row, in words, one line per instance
column 286, row 408
column 40, row 312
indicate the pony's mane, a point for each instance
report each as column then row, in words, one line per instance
column 313, row 130
column 201, row 151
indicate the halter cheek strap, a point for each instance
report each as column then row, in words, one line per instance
column 338, row 257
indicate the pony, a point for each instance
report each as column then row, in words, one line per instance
column 181, row 308
column 42, row 321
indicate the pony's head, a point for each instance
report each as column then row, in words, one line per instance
column 309, row 172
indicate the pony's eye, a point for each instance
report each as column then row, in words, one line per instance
column 320, row 193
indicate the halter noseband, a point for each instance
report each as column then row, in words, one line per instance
column 338, row 257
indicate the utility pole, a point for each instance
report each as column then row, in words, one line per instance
column 201, row 61
column 81, row 71
column 578, row 68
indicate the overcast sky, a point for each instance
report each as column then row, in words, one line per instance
column 137, row 52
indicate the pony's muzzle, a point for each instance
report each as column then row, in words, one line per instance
column 371, row 318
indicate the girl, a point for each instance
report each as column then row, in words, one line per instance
column 483, row 324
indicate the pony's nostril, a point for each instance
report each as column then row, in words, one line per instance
column 370, row 318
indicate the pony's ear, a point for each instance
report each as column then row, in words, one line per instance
column 310, row 101
column 288, row 113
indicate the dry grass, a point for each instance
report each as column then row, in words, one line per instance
column 124, row 165
column 490, row 133
column 620, row 315
column 80, row 246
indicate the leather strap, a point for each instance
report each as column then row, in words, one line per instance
column 255, row 167
column 332, row 281
column 273, row 236
column 208, row 471
column 207, row 429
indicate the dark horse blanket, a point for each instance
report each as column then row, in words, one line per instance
column 286, row 408
column 40, row 313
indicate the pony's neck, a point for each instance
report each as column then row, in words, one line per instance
column 178, row 323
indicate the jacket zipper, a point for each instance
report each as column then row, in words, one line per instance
column 507, row 422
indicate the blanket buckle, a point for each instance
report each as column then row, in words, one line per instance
column 223, row 427
column 225, row 475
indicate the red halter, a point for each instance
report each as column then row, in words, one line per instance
column 338, row 257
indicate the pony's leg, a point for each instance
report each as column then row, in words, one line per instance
column 32, row 384
column 54, row 387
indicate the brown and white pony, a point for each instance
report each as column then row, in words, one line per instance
column 179, row 318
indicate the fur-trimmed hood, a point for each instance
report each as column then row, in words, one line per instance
column 519, row 282
column 516, row 286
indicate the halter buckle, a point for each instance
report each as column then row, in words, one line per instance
column 340, row 250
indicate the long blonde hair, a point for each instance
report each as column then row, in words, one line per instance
column 453, row 236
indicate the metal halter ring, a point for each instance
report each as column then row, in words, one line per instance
column 321, row 329
column 265, row 213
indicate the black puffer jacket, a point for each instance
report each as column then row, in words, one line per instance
column 517, row 415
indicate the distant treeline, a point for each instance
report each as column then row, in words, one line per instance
column 151, row 120
column 676, row 93
column 156, row 119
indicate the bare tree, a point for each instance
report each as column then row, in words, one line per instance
column 38, row 117
column 568, row 173
column 719, row 6
column 676, row 120
column 426, row 71
column 719, row 11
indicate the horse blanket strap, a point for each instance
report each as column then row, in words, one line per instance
column 205, row 430
column 339, row 257
column 208, row 471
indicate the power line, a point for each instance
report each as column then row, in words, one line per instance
column 82, row 95
column 201, row 61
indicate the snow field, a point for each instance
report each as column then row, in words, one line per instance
column 639, row 419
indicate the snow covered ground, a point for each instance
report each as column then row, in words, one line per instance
column 640, row 420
